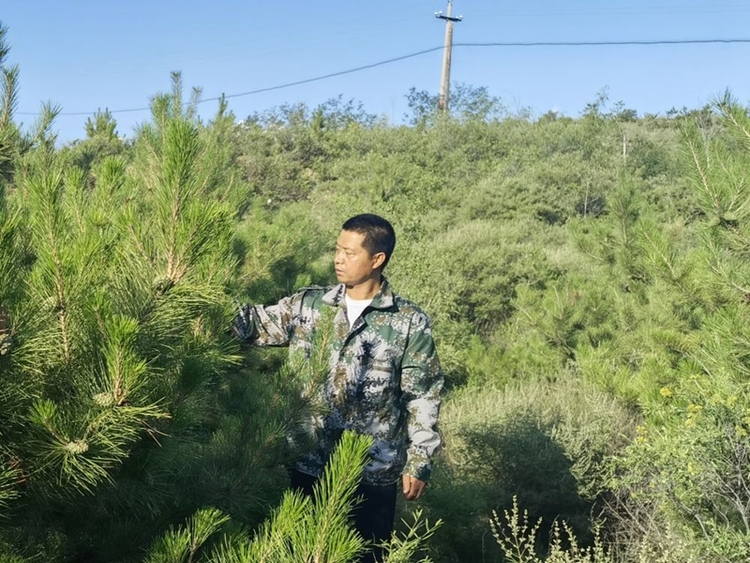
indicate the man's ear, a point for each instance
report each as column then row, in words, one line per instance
column 378, row 259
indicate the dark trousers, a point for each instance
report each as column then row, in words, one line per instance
column 373, row 517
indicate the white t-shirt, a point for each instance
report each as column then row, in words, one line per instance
column 354, row 308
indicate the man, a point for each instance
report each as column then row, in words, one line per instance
column 384, row 377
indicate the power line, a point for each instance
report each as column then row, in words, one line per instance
column 617, row 11
column 332, row 75
column 271, row 88
column 432, row 50
column 601, row 43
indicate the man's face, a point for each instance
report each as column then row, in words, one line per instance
column 352, row 261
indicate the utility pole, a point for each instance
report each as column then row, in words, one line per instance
column 445, row 75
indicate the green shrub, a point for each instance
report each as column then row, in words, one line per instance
column 695, row 469
column 517, row 539
column 546, row 443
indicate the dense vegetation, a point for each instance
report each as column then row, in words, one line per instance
column 587, row 278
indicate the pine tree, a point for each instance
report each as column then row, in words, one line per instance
column 686, row 476
column 123, row 402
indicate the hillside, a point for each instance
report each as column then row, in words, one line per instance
column 587, row 279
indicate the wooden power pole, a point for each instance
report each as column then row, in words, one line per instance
column 445, row 75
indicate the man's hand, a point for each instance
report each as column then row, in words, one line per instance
column 413, row 487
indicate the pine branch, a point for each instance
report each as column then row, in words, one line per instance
column 46, row 189
column 8, row 101
column 328, row 536
column 9, row 479
column 736, row 116
column 4, row 47
column 697, row 151
column 272, row 543
column 402, row 548
column 301, row 529
column 182, row 546
column 40, row 134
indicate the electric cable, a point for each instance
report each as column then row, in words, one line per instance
column 431, row 50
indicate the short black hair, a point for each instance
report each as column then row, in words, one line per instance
column 378, row 234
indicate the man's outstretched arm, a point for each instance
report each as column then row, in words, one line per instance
column 266, row 325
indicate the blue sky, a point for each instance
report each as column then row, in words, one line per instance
column 86, row 54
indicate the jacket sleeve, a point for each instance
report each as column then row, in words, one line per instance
column 421, row 384
column 270, row 325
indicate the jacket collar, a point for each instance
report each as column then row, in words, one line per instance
column 383, row 298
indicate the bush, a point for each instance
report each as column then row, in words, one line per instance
column 546, row 443
column 695, row 470
column 517, row 539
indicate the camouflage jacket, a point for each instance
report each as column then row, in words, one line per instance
column 384, row 376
